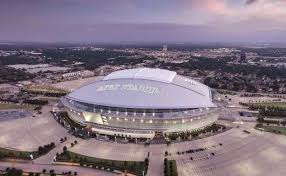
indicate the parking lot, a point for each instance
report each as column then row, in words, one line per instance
column 29, row 133
column 240, row 153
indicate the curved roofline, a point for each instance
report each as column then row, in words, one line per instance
column 156, row 74
column 138, row 107
column 154, row 81
column 180, row 93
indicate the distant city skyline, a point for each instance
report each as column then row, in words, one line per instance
column 143, row 21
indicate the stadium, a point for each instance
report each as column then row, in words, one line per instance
column 142, row 103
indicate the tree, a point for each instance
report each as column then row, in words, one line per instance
column 40, row 150
column 146, row 161
column 65, row 149
column 14, row 172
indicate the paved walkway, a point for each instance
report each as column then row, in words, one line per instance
column 156, row 165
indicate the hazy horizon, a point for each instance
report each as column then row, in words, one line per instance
column 113, row 21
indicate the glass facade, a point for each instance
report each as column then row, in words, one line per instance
column 134, row 121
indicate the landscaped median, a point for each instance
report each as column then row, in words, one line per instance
column 271, row 129
column 10, row 105
column 170, row 167
column 196, row 134
column 25, row 155
column 134, row 167
column 19, row 172
column 15, row 154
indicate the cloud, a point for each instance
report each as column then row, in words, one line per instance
column 151, row 32
column 216, row 19
column 209, row 5
column 249, row 2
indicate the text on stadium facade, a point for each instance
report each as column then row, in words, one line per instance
column 129, row 87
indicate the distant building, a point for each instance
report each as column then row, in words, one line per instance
column 165, row 48
column 7, row 90
column 242, row 57
column 85, row 73
column 24, row 83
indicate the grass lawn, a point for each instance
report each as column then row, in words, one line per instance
column 271, row 104
column 277, row 130
column 16, row 106
column 15, row 154
column 135, row 167
column 44, row 88
column 6, row 153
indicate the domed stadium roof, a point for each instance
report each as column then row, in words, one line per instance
column 145, row 88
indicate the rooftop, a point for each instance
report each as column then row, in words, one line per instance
column 144, row 73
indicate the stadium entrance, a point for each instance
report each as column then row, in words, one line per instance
column 158, row 134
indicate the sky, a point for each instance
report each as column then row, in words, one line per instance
column 255, row 21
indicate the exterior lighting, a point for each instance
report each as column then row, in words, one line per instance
column 169, row 110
